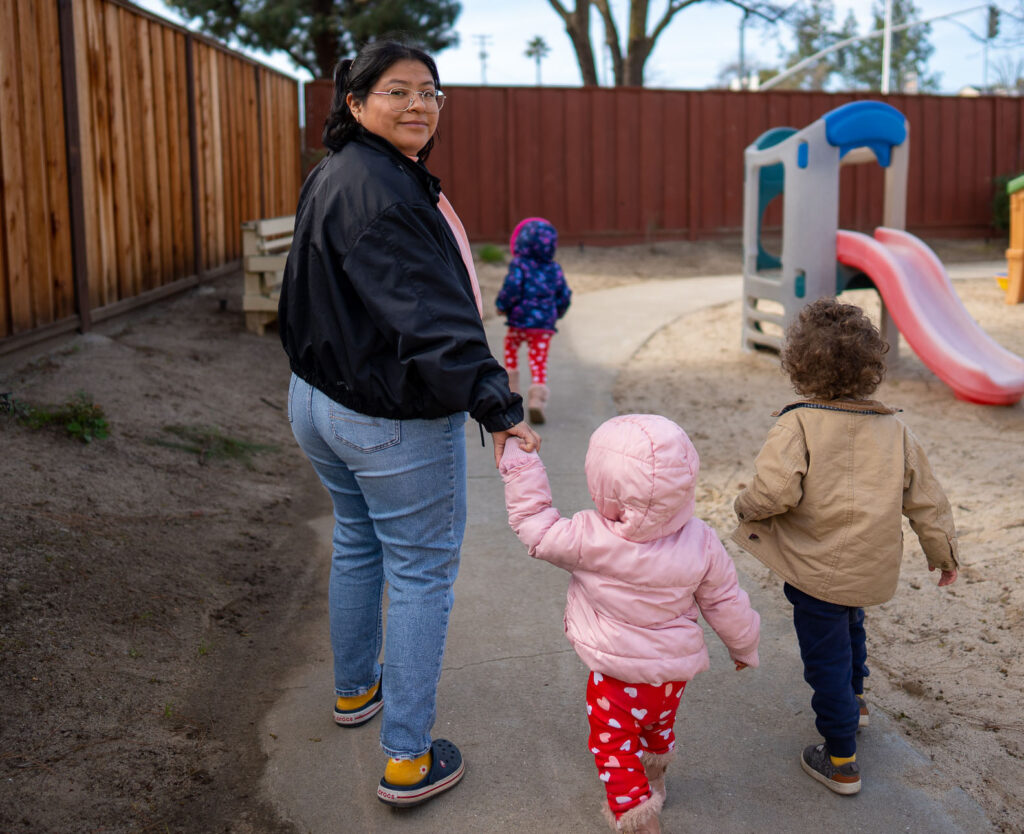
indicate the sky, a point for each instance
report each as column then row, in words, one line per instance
column 692, row 52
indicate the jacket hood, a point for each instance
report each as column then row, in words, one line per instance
column 535, row 239
column 642, row 475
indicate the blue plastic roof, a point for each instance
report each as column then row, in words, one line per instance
column 866, row 124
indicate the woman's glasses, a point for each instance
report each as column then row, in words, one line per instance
column 402, row 99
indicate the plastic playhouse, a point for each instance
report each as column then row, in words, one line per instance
column 819, row 259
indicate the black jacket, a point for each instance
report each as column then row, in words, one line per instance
column 376, row 309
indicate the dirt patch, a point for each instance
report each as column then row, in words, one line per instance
column 149, row 589
column 151, row 592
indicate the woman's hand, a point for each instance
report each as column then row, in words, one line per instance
column 530, row 439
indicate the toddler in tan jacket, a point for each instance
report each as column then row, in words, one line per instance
column 824, row 511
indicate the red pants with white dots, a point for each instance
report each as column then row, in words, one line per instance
column 539, row 342
column 626, row 720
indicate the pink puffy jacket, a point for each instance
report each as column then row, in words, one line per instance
column 642, row 566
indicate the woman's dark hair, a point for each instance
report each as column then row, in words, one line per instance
column 833, row 351
column 357, row 76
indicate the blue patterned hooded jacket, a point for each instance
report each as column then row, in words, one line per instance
column 534, row 294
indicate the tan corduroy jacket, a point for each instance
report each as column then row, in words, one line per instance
column 824, row 509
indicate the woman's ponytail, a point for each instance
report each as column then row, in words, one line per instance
column 340, row 123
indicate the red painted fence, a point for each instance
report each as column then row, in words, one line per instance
column 627, row 165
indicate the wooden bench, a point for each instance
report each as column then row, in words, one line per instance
column 265, row 245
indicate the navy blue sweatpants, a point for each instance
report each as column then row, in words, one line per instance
column 834, row 652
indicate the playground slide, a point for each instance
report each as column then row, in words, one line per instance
column 928, row 312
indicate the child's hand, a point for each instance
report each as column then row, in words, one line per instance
column 740, row 665
column 947, row 577
column 529, row 440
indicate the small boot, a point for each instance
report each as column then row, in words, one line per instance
column 655, row 765
column 513, row 379
column 536, row 399
column 643, row 819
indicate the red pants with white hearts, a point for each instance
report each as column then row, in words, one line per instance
column 626, row 720
column 539, row 342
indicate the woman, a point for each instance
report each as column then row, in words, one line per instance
column 381, row 320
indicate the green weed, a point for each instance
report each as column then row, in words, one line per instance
column 78, row 416
column 210, row 443
column 491, row 254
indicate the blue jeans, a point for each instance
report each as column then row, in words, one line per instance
column 399, row 493
column 834, row 651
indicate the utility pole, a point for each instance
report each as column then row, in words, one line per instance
column 483, row 40
column 886, row 47
column 743, row 52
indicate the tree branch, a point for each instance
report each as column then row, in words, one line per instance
column 666, row 18
column 611, row 38
column 577, row 25
column 560, row 9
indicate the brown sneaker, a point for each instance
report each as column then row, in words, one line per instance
column 864, row 719
column 536, row 400
column 816, row 762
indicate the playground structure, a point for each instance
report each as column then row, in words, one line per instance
column 818, row 259
column 1015, row 254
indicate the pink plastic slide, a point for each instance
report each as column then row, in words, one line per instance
column 928, row 312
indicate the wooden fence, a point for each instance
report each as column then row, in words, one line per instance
column 627, row 165
column 132, row 151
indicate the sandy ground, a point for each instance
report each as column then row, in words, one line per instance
column 149, row 592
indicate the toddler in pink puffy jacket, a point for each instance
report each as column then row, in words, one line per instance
column 642, row 569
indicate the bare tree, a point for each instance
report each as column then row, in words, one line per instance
column 1009, row 74
column 628, row 68
column 628, row 57
column 577, row 25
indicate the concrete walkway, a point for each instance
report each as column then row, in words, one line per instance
column 511, row 695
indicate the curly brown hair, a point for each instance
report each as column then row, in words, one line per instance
column 833, row 351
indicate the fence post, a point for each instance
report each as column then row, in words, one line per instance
column 693, row 165
column 73, row 152
column 259, row 134
column 193, row 141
